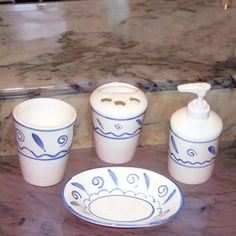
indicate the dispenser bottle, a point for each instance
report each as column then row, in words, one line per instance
column 194, row 138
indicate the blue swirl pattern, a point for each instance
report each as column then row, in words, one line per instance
column 162, row 190
column 191, row 152
column 133, row 179
column 62, row 140
column 98, row 181
column 75, row 194
column 134, row 184
column 20, row 136
column 118, row 126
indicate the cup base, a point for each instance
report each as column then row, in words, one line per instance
column 43, row 173
column 191, row 176
column 115, row 151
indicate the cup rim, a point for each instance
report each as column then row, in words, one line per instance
column 61, row 126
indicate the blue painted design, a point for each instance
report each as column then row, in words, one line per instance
column 139, row 121
column 116, row 136
column 147, row 181
column 51, row 156
column 38, row 141
column 75, row 195
column 62, row 140
column 191, row 152
column 190, row 141
column 45, row 130
column 106, row 192
column 100, row 123
column 74, row 203
column 20, row 136
column 174, row 144
column 155, row 222
column 133, row 179
column 162, row 190
column 124, row 119
column 192, row 164
column 80, row 186
column 85, row 212
column 113, row 176
column 161, row 213
column 118, row 126
column 169, row 197
column 98, row 181
column 212, row 150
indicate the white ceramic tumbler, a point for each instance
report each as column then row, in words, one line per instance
column 44, row 133
column 118, row 112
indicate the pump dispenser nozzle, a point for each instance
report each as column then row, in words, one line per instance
column 198, row 108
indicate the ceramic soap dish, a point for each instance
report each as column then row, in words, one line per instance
column 124, row 197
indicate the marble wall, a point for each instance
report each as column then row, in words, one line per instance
column 156, row 123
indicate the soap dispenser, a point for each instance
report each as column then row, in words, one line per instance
column 194, row 138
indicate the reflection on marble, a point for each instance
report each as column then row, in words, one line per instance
column 26, row 210
column 75, row 46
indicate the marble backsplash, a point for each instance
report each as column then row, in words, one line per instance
column 66, row 49
column 156, row 122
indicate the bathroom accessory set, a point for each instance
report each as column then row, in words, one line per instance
column 44, row 133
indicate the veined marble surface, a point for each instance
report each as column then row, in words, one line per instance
column 72, row 47
column 26, row 210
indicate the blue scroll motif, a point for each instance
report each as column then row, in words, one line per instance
column 191, row 152
column 62, row 140
column 212, row 149
column 118, row 126
column 98, row 181
column 162, row 190
column 20, row 136
column 76, row 195
column 133, row 179
column 38, row 141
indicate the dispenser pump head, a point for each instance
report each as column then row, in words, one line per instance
column 198, row 108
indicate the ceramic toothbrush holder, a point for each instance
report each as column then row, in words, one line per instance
column 118, row 111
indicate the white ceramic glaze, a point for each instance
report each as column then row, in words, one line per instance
column 191, row 162
column 44, row 133
column 118, row 112
column 123, row 197
column 194, row 138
